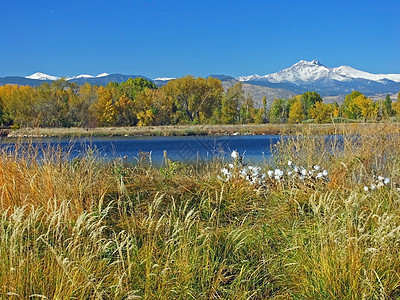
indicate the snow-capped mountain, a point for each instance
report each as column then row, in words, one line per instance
column 313, row 75
column 311, row 71
column 42, row 76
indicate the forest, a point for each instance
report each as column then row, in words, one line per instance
column 186, row 100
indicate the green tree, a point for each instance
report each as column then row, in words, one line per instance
column 231, row 102
column 308, row 100
column 133, row 86
column 388, row 106
column 247, row 111
column 278, row 112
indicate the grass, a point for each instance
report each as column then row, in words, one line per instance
column 89, row 229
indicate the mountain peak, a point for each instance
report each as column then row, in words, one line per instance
column 42, row 76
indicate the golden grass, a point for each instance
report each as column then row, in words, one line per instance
column 168, row 130
column 89, row 229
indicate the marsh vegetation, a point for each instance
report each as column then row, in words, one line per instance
column 85, row 228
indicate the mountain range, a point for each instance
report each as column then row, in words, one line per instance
column 331, row 83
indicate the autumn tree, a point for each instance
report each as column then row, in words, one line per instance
column 153, row 108
column 196, row 98
column 322, row 113
column 103, row 109
column 362, row 107
column 348, row 102
column 79, row 105
column 296, row 112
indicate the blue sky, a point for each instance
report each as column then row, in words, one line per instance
column 176, row 38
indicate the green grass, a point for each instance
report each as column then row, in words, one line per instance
column 90, row 229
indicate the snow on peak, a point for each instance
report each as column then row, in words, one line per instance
column 312, row 71
column 80, row 76
column 102, row 75
column 164, row 78
column 42, row 76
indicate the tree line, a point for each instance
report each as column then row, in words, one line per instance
column 187, row 100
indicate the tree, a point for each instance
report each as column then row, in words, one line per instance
column 103, row 109
column 231, row 102
column 247, row 111
column 264, row 114
column 133, row 86
column 278, row 111
column 196, row 98
column 396, row 107
column 388, row 106
column 79, row 105
column 322, row 113
column 362, row 107
column 348, row 100
column 296, row 114
column 308, row 100
column 153, row 108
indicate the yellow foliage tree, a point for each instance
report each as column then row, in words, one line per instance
column 296, row 114
column 323, row 113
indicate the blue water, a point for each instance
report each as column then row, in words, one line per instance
column 256, row 148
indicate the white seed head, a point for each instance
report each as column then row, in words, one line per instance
column 234, row 154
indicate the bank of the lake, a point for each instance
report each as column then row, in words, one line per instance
column 189, row 130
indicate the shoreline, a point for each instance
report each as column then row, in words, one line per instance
column 194, row 130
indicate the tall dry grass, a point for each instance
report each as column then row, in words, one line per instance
column 89, row 229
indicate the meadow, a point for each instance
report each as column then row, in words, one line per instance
column 318, row 221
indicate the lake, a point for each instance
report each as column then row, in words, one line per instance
column 256, row 148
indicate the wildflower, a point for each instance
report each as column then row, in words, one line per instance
column 319, row 175
column 325, row 173
column 230, row 166
column 270, row 173
column 289, row 163
column 316, row 167
column 373, row 187
column 366, row 188
column 386, row 181
column 380, row 178
column 303, row 172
